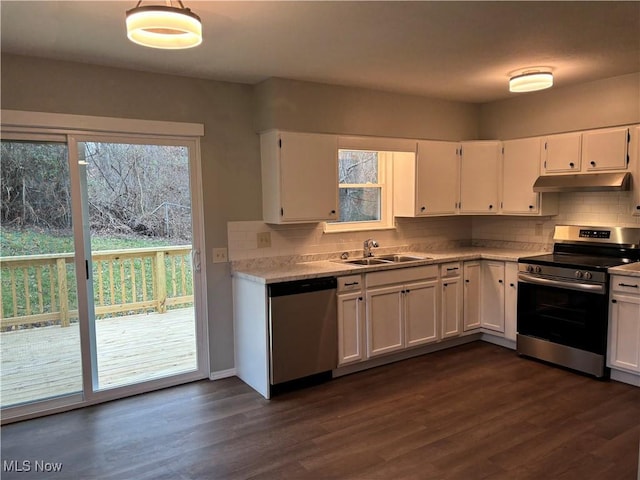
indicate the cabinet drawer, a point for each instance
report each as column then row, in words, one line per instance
column 451, row 269
column 624, row 284
column 350, row 284
column 401, row 275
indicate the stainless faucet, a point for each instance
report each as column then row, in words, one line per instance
column 369, row 243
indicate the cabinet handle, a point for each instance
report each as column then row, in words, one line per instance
column 407, row 291
column 500, row 281
column 571, row 164
column 593, row 164
column 637, row 207
column 350, row 284
column 614, row 301
column 422, row 209
column 627, row 285
column 451, row 269
column 490, row 207
column 466, row 281
column 360, row 298
column 333, row 212
column 512, row 285
column 531, row 207
column 445, row 284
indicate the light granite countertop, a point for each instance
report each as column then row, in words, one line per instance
column 630, row 270
column 326, row 268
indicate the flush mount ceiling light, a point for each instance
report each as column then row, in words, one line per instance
column 164, row 26
column 530, row 80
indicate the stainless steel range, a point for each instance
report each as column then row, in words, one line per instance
column 563, row 297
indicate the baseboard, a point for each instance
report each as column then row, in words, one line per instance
column 405, row 354
column 624, row 377
column 501, row 341
column 231, row 372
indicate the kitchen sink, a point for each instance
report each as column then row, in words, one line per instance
column 367, row 261
column 384, row 259
column 399, row 258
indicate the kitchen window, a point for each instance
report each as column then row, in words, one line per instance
column 364, row 190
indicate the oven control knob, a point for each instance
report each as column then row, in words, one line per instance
column 530, row 268
column 587, row 275
column 538, row 269
column 579, row 274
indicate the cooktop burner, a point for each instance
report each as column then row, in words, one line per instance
column 575, row 261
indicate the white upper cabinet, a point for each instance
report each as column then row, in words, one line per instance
column 299, row 177
column 605, row 149
column 428, row 184
column 590, row 151
column 634, row 165
column 520, row 169
column 562, row 153
column 480, row 175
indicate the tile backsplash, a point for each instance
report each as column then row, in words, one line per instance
column 591, row 208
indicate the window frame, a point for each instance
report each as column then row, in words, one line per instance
column 385, row 183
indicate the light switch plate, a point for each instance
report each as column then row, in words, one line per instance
column 264, row 239
column 220, row 255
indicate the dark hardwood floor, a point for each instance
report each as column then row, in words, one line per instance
column 471, row 412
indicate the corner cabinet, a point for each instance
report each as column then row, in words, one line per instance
column 520, row 169
column 429, row 183
column 299, row 177
column 480, row 177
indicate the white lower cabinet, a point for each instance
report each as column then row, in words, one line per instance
column 401, row 309
column 624, row 324
column 510, row 300
column 471, row 295
column 350, row 320
column 450, row 300
column 492, row 295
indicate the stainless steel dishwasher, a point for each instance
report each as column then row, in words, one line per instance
column 303, row 328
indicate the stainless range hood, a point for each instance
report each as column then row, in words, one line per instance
column 591, row 182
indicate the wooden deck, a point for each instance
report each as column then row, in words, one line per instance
column 45, row 362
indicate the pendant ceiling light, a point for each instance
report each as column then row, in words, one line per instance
column 164, row 26
column 530, row 80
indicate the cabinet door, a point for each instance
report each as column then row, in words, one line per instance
column 479, row 177
column 385, row 329
column 624, row 335
column 350, row 327
column 510, row 300
column 437, row 185
column 605, row 149
column 492, row 295
column 520, row 169
column 451, row 307
column 421, row 312
column 562, row 153
column 634, row 165
column 308, row 177
column 471, row 295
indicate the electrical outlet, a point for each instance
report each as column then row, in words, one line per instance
column 220, row 255
column 538, row 230
column 264, row 239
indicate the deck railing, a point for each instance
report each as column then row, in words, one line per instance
column 41, row 289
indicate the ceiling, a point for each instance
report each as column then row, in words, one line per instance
column 452, row 50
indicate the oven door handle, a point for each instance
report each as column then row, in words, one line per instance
column 582, row 287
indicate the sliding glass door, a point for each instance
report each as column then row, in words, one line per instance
column 39, row 334
column 101, row 270
column 138, row 222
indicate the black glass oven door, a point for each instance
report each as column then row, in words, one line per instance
column 568, row 317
